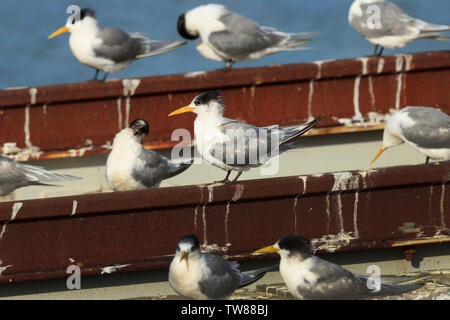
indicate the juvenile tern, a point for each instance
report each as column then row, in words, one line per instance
column 233, row 145
column 108, row 49
column 425, row 129
column 15, row 175
column 202, row 276
column 312, row 278
column 229, row 37
column 385, row 25
column 132, row 167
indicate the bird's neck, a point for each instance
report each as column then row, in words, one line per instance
column 125, row 139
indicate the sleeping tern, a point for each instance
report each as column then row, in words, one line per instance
column 233, row 145
column 229, row 37
column 312, row 278
column 132, row 167
column 202, row 276
column 425, row 129
column 15, row 175
column 385, row 25
column 108, row 49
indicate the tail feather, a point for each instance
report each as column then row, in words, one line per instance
column 155, row 47
column 178, row 168
column 252, row 276
column 38, row 174
column 302, row 131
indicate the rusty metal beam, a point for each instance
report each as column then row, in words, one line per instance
column 354, row 94
column 138, row 230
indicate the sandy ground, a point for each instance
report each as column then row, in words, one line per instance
column 436, row 286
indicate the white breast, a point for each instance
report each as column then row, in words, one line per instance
column 184, row 277
column 296, row 273
column 121, row 162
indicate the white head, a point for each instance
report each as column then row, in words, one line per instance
column 203, row 18
column 392, row 135
column 208, row 102
column 79, row 21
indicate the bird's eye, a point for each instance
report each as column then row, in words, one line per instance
column 196, row 102
column 73, row 21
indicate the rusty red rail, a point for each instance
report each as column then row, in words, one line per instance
column 138, row 230
column 355, row 94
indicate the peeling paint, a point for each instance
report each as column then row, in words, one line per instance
column 441, row 204
column 238, row 192
column 319, row 68
column 304, row 179
column 371, row 92
column 364, row 60
column 111, row 269
column 129, row 89
column 194, row 74
column 15, row 209
column 310, row 96
column 344, row 181
column 358, row 116
column 331, row 242
column 214, row 247
column 327, row 210
column 398, row 91
column 380, row 65
column 74, row 207
column 355, row 214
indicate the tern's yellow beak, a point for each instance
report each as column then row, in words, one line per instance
column 378, row 154
column 182, row 110
column 267, row 250
column 58, row 32
column 183, row 255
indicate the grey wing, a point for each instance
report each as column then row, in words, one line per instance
column 220, row 277
column 431, row 128
column 385, row 19
column 248, row 145
column 119, row 46
column 152, row 169
column 242, row 37
column 333, row 282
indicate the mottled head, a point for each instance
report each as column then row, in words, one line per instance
column 210, row 101
column 288, row 246
column 79, row 19
column 181, row 27
column 140, row 128
column 187, row 246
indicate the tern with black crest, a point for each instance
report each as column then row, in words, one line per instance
column 108, row 49
column 132, row 167
column 229, row 37
column 309, row 277
column 232, row 145
column 203, row 276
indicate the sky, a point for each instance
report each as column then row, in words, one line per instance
column 29, row 58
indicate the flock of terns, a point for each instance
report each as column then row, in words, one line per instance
column 229, row 37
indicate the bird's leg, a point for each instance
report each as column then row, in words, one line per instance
column 229, row 66
column 96, row 74
column 235, row 179
column 427, row 160
column 380, row 52
column 375, row 52
column 226, row 181
column 104, row 78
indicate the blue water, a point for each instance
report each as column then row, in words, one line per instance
column 28, row 58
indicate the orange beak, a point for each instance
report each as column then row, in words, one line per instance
column 266, row 250
column 378, row 154
column 58, row 32
column 182, row 110
column 183, row 255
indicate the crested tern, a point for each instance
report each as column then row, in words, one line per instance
column 229, row 37
column 132, row 167
column 108, row 49
column 312, row 278
column 425, row 129
column 15, row 175
column 232, row 145
column 202, row 276
column 386, row 25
